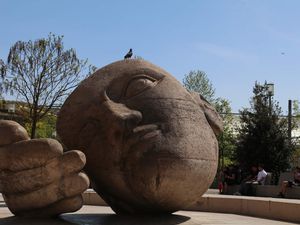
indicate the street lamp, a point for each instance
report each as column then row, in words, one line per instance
column 270, row 90
column 270, row 87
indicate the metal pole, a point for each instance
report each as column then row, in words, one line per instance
column 290, row 122
column 270, row 103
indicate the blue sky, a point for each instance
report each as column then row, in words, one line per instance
column 236, row 42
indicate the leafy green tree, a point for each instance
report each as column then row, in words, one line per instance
column 295, row 159
column 41, row 73
column 2, row 72
column 296, row 114
column 1, row 100
column 45, row 128
column 296, row 108
column 263, row 134
column 296, row 140
column 197, row 80
column 227, row 139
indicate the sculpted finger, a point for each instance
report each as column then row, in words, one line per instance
column 29, row 154
column 63, row 206
column 33, row 179
column 65, row 188
column 11, row 132
column 73, row 161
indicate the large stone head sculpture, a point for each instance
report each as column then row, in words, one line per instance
column 150, row 144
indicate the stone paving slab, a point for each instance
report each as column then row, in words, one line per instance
column 271, row 208
column 101, row 215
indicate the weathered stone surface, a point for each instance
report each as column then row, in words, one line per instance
column 11, row 132
column 150, row 144
column 36, row 178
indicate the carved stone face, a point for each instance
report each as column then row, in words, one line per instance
column 150, row 144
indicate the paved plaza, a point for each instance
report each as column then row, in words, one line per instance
column 102, row 215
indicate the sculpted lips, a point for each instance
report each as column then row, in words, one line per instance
column 146, row 131
column 143, row 133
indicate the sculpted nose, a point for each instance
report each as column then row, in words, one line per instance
column 123, row 116
column 132, row 119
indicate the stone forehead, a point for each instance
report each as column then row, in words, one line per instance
column 96, row 84
column 90, row 92
column 103, row 77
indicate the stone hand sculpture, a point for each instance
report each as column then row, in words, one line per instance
column 36, row 178
column 151, row 145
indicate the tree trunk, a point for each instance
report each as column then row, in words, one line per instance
column 34, row 122
column 33, row 128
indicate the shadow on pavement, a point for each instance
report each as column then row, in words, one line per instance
column 98, row 219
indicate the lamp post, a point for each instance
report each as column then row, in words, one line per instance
column 270, row 90
column 290, row 122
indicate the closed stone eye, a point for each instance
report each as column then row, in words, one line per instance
column 139, row 84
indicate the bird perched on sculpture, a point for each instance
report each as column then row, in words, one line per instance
column 128, row 55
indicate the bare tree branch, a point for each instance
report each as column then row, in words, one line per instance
column 42, row 73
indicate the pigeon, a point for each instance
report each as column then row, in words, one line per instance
column 128, row 55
